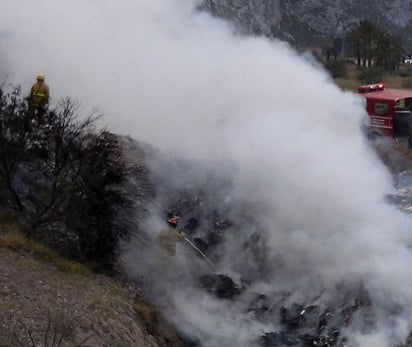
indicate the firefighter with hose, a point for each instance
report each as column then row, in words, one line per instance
column 170, row 236
column 166, row 262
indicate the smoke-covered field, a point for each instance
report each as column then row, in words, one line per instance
column 262, row 134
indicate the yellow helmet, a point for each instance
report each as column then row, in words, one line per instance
column 40, row 77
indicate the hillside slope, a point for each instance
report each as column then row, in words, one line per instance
column 312, row 21
column 43, row 306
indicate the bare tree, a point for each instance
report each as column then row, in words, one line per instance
column 61, row 170
column 13, row 142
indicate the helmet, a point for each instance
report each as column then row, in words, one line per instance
column 40, row 77
column 173, row 221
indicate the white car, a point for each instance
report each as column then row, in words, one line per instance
column 407, row 61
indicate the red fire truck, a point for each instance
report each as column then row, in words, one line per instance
column 389, row 111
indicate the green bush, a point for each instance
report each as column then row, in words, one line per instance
column 404, row 73
column 369, row 75
column 407, row 83
column 405, row 70
column 337, row 68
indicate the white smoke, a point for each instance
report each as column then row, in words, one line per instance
column 172, row 76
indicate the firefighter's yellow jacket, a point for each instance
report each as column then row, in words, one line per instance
column 39, row 94
column 168, row 238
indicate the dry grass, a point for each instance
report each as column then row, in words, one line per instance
column 350, row 82
column 18, row 242
column 12, row 238
column 401, row 79
column 347, row 84
column 146, row 313
column 61, row 309
column 59, row 330
column 393, row 81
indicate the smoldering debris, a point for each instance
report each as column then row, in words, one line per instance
column 329, row 316
column 220, row 285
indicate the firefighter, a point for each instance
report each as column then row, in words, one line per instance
column 39, row 96
column 169, row 236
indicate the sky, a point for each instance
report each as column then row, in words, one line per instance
column 189, row 85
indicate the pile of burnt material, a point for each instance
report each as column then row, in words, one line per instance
column 299, row 325
column 220, row 285
column 312, row 325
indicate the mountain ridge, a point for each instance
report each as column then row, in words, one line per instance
column 309, row 22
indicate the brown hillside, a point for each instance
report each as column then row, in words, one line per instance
column 44, row 306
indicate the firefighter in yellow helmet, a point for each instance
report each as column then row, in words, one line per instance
column 169, row 236
column 39, row 95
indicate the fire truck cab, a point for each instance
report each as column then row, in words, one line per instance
column 389, row 111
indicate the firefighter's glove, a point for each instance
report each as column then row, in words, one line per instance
column 181, row 234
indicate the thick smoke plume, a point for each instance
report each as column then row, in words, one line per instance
column 170, row 75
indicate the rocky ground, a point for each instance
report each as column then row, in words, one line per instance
column 44, row 306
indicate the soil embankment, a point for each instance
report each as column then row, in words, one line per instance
column 44, row 306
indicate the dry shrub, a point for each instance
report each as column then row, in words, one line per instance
column 61, row 322
column 146, row 312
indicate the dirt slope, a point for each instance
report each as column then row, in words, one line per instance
column 43, row 306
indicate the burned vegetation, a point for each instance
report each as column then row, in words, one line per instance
column 61, row 176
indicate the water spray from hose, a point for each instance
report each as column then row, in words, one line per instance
column 201, row 253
